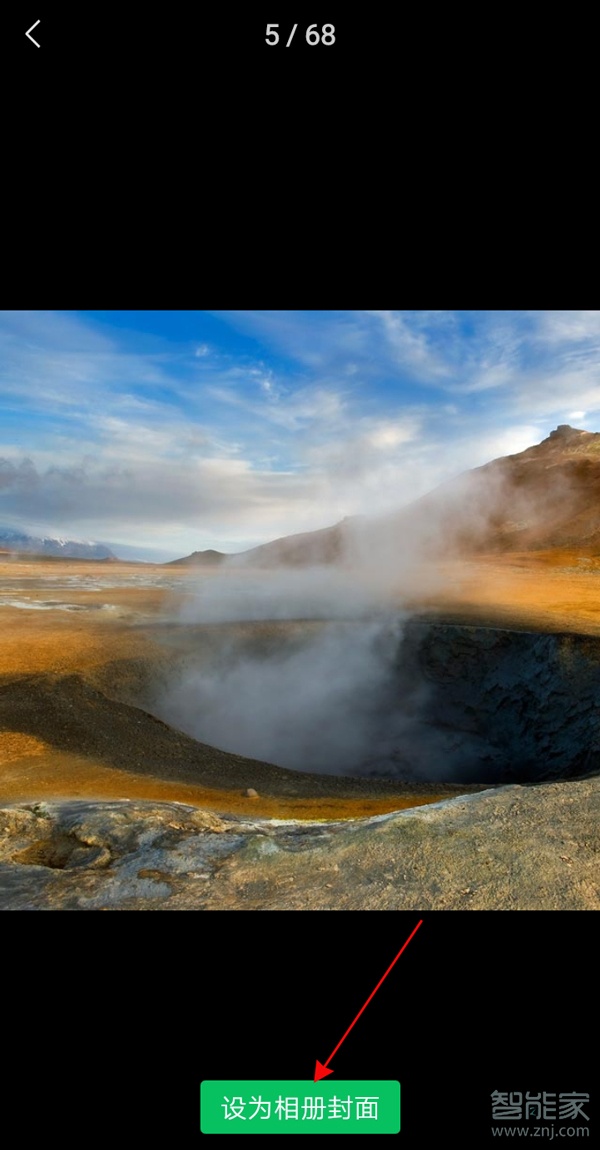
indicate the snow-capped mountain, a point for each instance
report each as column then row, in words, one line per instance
column 11, row 540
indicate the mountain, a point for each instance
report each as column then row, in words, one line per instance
column 545, row 497
column 19, row 542
column 199, row 559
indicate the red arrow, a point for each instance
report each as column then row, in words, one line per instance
column 321, row 1070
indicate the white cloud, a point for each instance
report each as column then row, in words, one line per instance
column 309, row 406
column 371, row 410
column 550, row 393
column 410, row 348
column 568, row 326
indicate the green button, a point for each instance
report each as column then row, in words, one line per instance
column 304, row 1107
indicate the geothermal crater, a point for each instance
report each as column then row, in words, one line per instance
column 393, row 698
column 503, row 706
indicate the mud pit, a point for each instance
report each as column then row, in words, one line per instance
column 503, row 706
column 410, row 700
column 502, row 690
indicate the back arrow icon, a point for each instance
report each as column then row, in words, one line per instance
column 31, row 37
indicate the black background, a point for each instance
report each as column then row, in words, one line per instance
column 113, row 1020
column 201, row 32
column 122, row 1016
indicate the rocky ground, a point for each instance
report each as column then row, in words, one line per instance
column 515, row 848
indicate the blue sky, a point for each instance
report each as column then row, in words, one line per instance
column 177, row 431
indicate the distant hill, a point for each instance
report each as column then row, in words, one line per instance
column 545, row 497
column 199, row 559
column 18, row 542
column 310, row 548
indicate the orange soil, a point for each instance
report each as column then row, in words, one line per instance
column 540, row 590
column 557, row 590
column 29, row 777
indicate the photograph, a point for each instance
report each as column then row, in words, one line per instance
column 300, row 611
